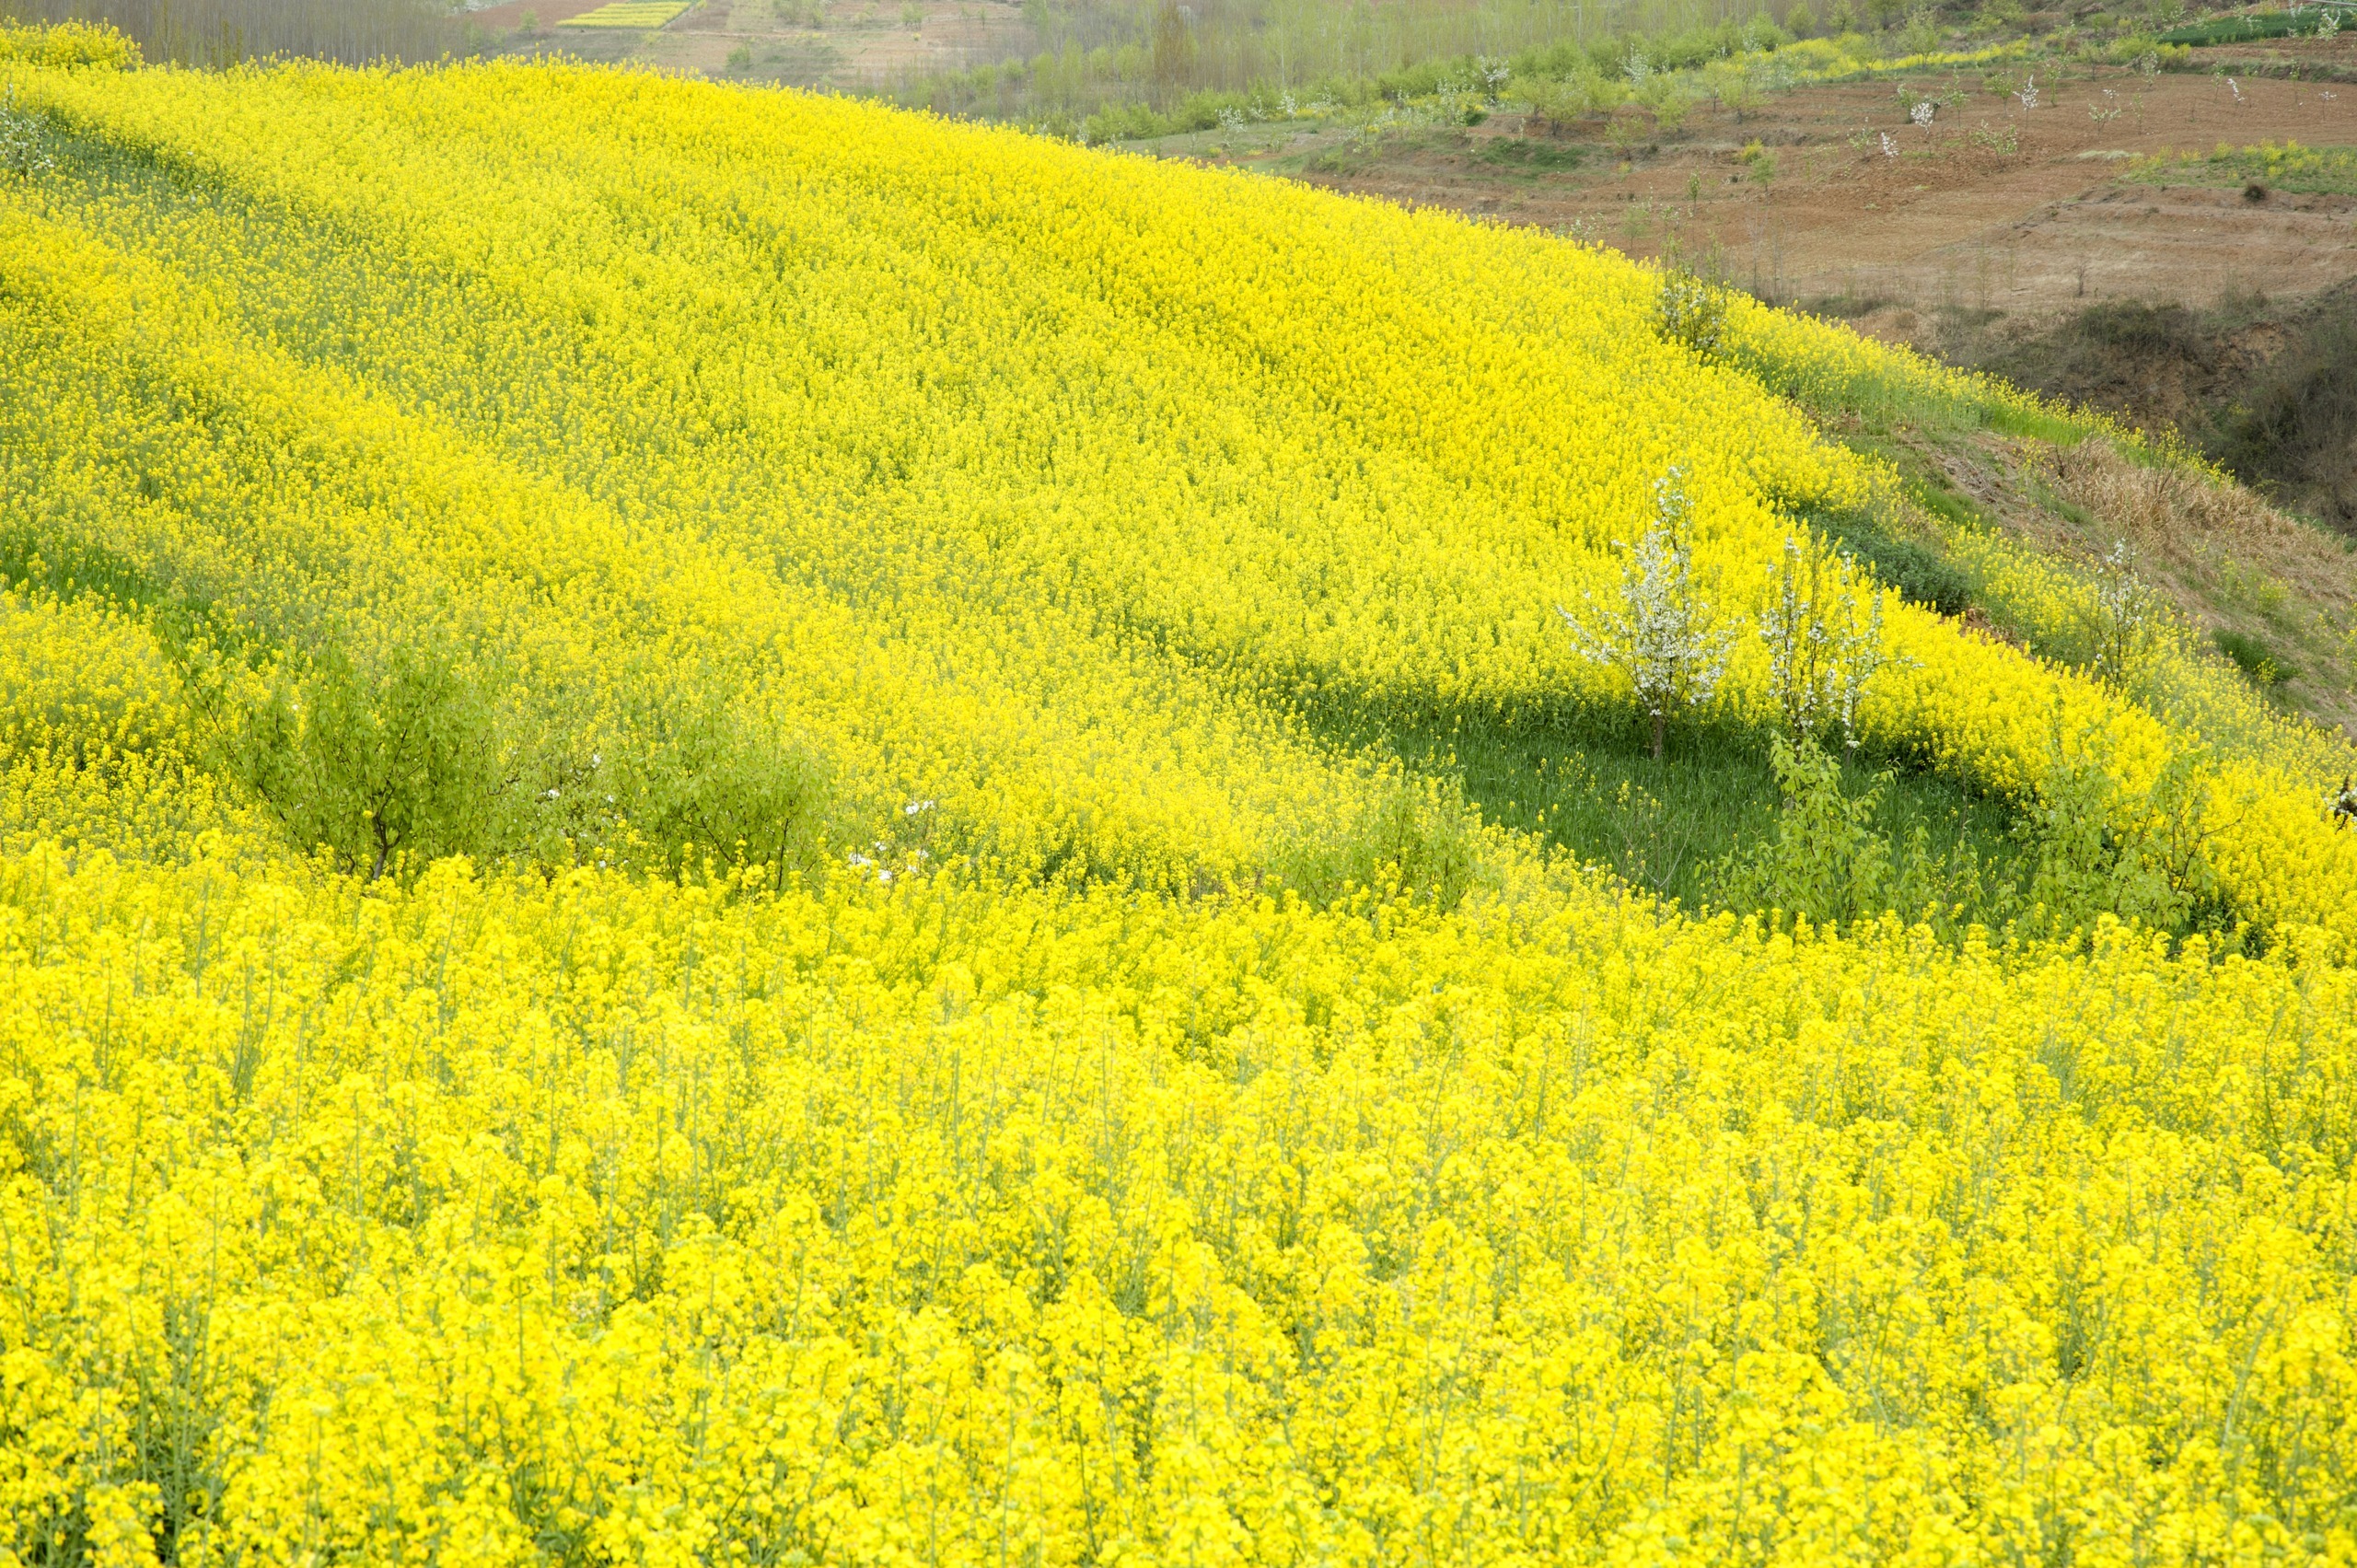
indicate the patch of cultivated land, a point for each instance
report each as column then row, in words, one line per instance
column 1994, row 206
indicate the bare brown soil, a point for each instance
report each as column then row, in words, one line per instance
column 1993, row 206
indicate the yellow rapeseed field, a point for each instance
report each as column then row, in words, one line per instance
column 659, row 743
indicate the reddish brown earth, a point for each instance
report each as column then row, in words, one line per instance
column 1992, row 207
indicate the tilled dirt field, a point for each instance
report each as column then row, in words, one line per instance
column 1995, row 205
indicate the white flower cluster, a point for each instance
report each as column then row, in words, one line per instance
column 1922, row 113
column 1661, row 633
column 2126, row 619
column 1691, row 311
column 891, row 860
column 1823, row 650
column 2028, row 95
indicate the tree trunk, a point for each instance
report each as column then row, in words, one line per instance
column 1658, row 722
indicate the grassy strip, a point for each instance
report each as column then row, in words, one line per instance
column 2291, row 166
column 2313, row 20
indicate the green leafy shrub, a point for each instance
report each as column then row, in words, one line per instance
column 718, row 782
column 1829, row 863
column 378, row 769
column 1919, row 573
column 1420, row 838
column 2099, row 851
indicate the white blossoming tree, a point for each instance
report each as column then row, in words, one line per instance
column 1824, row 643
column 1690, row 311
column 1662, row 633
column 2124, row 625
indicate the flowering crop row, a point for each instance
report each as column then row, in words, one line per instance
column 627, row 13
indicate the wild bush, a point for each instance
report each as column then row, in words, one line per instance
column 398, row 764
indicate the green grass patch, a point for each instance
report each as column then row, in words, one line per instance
column 2036, row 423
column 1693, row 827
column 2265, row 667
column 1845, row 307
column 1537, row 157
column 1917, row 570
column 1680, row 826
column 1348, row 158
column 2246, row 28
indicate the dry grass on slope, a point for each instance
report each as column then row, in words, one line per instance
column 2277, row 595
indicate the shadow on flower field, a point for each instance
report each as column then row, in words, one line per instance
column 1684, row 826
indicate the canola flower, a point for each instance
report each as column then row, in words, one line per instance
column 1072, row 1193
column 2287, row 167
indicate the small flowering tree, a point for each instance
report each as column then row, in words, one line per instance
column 2125, row 623
column 1661, row 633
column 1690, row 311
column 1823, row 649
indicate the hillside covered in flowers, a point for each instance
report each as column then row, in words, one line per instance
column 737, row 828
